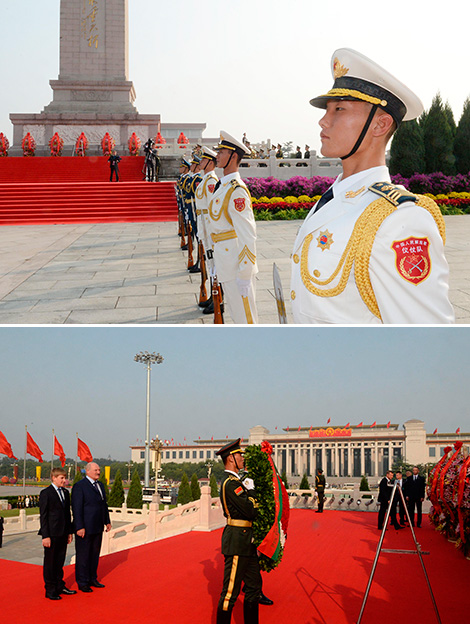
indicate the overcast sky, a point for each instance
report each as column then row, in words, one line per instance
column 222, row 381
column 248, row 65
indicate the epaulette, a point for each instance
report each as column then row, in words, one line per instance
column 392, row 193
column 236, row 184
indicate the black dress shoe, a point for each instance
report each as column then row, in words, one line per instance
column 264, row 600
column 53, row 597
column 68, row 592
column 96, row 584
column 194, row 269
column 205, row 304
column 85, row 589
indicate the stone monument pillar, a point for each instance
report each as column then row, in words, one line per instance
column 94, row 64
column 93, row 93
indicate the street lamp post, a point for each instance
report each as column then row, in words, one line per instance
column 148, row 359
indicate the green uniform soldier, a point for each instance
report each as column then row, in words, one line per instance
column 320, row 489
column 241, row 560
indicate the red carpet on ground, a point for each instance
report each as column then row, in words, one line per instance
column 321, row 580
column 48, row 190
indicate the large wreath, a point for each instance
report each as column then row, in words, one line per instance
column 270, row 525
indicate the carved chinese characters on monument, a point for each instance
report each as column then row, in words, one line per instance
column 92, row 22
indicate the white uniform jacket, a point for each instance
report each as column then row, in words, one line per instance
column 233, row 230
column 203, row 197
column 407, row 269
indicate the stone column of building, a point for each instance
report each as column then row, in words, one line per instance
column 336, row 451
column 362, row 455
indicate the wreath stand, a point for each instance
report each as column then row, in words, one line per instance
column 418, row 552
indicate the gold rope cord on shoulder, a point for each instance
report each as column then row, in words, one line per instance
column 358, row 251
column 223, row 498
column 224, row 209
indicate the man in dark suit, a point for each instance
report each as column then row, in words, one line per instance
column 385, row 492
column 90, row 516
column 56, row 532
column 415, row 489
column 1, row 530
column 240, row 507
column 320, row 484
column 114, row 161
column 398, row 506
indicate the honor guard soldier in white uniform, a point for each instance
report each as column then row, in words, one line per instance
column 368, row 251
column 203, row 197
column 233, row 233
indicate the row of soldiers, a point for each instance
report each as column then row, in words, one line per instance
column 216, row 216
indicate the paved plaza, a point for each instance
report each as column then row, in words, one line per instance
column 136, row 273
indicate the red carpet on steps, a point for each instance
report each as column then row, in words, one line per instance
column 76, row 190
column 321, row 580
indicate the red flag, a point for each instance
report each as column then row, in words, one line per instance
column 275, row 428
column 298, row 428
column 83, row 451
column 346, row 426
column 212, row 438
column 374, row 423
column 388, row 425
column 458, row 431
column 287, row 428
column 32, row 448
column 5, row 447
column 360, row 424
column 434, row 432
column 328, row 421
column 59, row 451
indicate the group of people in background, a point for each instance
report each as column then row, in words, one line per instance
column 413, row 487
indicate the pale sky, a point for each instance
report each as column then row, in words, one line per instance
column 220, row 381
column 247, row 65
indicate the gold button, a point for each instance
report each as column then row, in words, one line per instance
column 317, row 273
column 226, row 249
column 296, row 259
column 292, row 294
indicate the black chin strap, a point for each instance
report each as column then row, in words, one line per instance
column 363, row 133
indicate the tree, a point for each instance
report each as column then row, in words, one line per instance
column 78, row 477
column 213, row 484
column 284, row 479
column 450, row 118
column 304, row 484
column 116, row 498
column 105, row 484
column 438, row 140
column 364, row 485
column 195, row 488
column 184, row 492
column 462, row 140
column 407, row 150
column 134, row 496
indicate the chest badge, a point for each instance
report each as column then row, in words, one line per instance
column 412, row 259
column 325, row 240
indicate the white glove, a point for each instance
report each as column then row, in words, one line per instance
column 212, row 272
column 249, row 483
column 244, row 287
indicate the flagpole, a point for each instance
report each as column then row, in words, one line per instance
column 76, row 458
column 24, row 460
column 52, row 455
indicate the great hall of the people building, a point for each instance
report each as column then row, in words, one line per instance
column 341, row 451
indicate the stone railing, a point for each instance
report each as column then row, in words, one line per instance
column 21, row 523
column 152, row 525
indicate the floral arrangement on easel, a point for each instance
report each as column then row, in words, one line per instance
column 107, row 144
column 134, row 144
column 449, row 492
column 81, row 145
column 56, row 144
column 28, row 145
column 4, row 145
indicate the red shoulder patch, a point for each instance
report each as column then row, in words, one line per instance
column 239, row 490
column 211, row 187
column 412, row 259
column 239, row 203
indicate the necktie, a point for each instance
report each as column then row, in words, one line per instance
column 324, row 199
column 97, row 488
column 61, row 496
column 217, row 186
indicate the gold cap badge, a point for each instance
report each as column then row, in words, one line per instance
column 339, row 70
